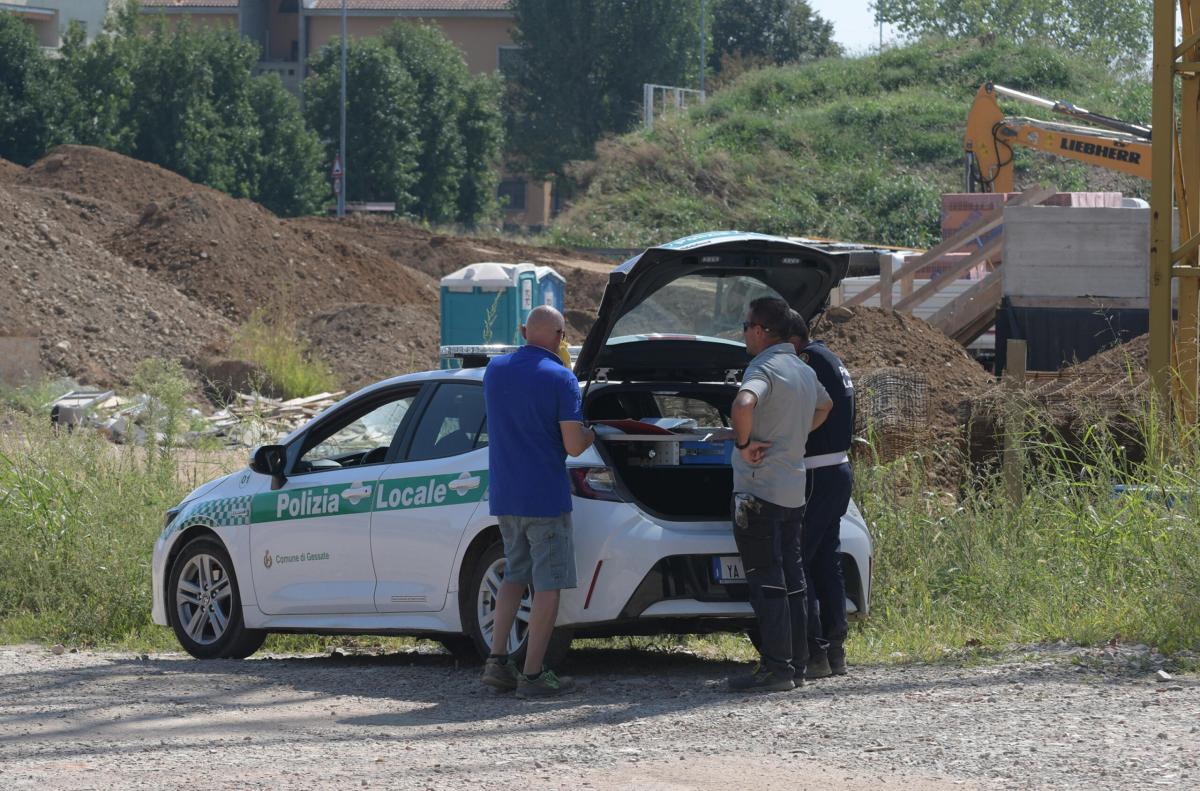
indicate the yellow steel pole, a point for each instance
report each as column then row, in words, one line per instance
column 1188, row 199
column 1163, row 121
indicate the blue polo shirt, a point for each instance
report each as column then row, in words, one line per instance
column 527, row 394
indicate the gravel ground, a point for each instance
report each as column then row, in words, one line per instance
column 1045, row 718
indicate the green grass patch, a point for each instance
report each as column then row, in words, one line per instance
column 1074, row 561
column 849, row 148
column 291, row 368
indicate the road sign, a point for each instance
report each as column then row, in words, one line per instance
column 337, row 168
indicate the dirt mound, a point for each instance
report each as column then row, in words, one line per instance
column 364, row 343
column 96, row 316
column 10, row 171
column 234, row 256
column 438, row 254
column 1119, row 363
column 109, row 176
column 868, row 339
column 95, row 218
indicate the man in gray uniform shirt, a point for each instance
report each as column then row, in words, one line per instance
column 779, row 402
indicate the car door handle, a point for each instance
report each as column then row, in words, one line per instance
column 465, row 483
column 356, row 494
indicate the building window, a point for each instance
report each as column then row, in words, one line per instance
column 511, row 193
column 508, row 60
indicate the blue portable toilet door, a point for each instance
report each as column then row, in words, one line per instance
column 526, row 289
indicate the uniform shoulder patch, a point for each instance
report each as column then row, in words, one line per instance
column 805, row 356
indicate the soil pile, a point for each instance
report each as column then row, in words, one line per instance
column 869, row 339
column 109, row 176
column 96, row 316
column 95, row 218
column 1120, row 363
column 235, row 256
column 362, row 291
column 365, row 343
column 437, row 255
column 10, row 171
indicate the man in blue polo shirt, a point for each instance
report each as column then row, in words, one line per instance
column 535, row 420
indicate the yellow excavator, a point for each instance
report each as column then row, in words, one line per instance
column 1111, row 143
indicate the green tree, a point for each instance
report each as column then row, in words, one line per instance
column 770, row 31
column 97, row 84
column 382, row 142
column 287, row 171
column 190, row 106
column 29, row 93
column 1121, row 30
column 481, row 125
column 187, row 99
column 582, row 67
column 440, row 73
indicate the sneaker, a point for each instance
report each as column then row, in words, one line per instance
column 818, row 667
column 500, row 673
column 763, row 679
column 546, row 684
column 837, row 659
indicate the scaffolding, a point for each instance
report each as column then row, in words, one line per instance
column 1176, row 174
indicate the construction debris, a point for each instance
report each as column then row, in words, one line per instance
column 254, row 419
column 249, row 421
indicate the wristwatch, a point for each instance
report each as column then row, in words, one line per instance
column 740, row 447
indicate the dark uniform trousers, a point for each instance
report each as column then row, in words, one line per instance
column 827, row 496
column 768, row 537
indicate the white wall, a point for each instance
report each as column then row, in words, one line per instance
column 1052, row 251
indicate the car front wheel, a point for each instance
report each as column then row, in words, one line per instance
column 479, row 612
column 204, row 606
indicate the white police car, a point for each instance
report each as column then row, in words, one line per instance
column 373, row 518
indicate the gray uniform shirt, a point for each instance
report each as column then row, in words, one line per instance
column 788, row 393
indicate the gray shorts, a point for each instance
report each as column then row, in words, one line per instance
column 539, row 550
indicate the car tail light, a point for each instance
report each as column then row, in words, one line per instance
column 593, row 483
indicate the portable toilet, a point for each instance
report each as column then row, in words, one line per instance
column 551, row 287
column 487, row 303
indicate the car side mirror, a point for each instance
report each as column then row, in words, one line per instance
column 270, row 460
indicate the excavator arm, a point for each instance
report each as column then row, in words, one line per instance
column 991, row 136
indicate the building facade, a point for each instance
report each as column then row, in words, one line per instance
column 51, row 18
column 288, row 31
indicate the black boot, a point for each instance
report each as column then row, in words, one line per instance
column 837, row 659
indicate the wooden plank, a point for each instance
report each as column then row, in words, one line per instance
column 985, row 224
column 1014, row 381
column 971, row 309
column 993, row 249
column 885, row 281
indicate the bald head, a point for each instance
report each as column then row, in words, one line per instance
column 544, row 327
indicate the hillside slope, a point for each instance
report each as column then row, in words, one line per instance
column 855, row 149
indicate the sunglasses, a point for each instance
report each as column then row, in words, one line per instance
column 746, row 325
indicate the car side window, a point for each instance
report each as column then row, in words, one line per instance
column 359, row 439
column 453, row 423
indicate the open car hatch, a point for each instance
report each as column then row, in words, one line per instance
column 675, row 312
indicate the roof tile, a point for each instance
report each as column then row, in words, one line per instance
column 431, row 6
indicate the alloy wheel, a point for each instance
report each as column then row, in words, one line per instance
column 204, row 599
column 485, row 612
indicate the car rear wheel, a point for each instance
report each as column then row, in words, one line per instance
column 204, row 606
column 479, row 612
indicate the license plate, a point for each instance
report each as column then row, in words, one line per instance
column 727, row 569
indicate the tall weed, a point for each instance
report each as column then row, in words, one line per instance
column 78, row 519
column 1102, row 546
column 284, row 358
